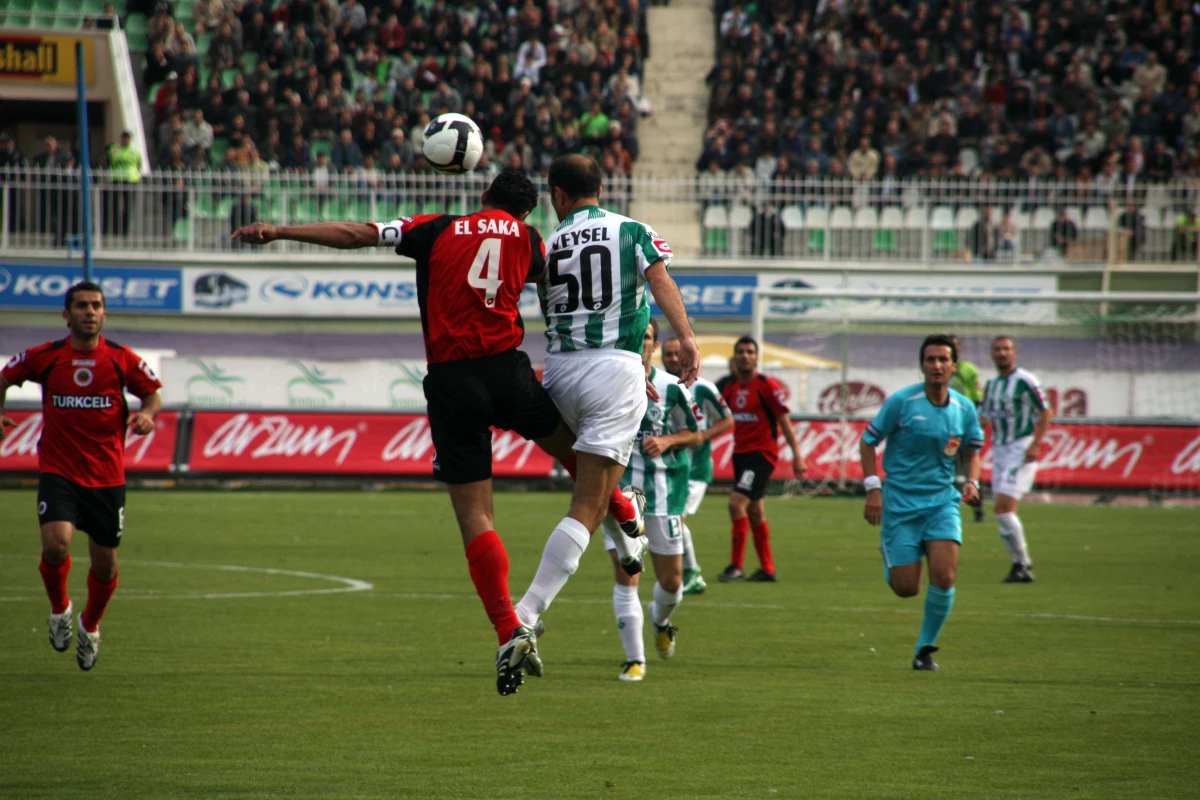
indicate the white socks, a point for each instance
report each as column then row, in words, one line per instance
column 1013, row 535
column 560, row 559
column 624, row 545
column 628, row 609
column 664, row 603
column 690, row 564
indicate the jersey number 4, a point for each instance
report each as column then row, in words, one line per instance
column 587, row 257
column 485, row 271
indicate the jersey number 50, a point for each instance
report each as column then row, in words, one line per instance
column 586, row 277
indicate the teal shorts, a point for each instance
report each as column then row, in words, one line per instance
column 902, row 537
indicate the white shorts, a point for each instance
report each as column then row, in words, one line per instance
column 665, row 535
column 601, row 395
column 1011, row 475
column 696, row 490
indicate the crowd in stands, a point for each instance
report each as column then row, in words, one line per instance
column 1042, row 90
column 314, row 86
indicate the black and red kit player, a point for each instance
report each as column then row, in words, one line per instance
column 81, row 456
column 759, row 414
column 470, row 273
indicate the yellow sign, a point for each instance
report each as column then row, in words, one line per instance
column 44, row 59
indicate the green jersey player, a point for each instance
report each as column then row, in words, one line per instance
column 659, row 466
column 1013, row 404
column 966, row 382
column 598, row 267
column 715, row 419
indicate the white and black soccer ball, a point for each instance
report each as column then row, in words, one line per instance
column 453, row 144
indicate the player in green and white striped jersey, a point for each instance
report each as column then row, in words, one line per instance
column 1015, row 407
column 594, row 294
column 659, row 466
column 715, row 419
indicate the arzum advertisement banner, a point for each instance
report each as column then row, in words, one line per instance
column 45, row 58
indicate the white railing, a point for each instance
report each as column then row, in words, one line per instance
column 857, row 222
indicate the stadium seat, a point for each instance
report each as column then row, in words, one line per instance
column 866, row 223
column 216, row 154
column 1096, row 219
column 1160, row 233
column 227, row 76
column 225, row 207
column 887, row 237
column 969, row 159
column 65, row 22
column 249, row 62
column 303, row 210
column 968, row 216
column 816, row 219
column 740, row 217
column 135, row 23
column 716, row 229
column 1075, row 216
column 202, row 42
column 90, row 7
column 945, row 237
column 180, row 230
column 792, row 219
column 1037, row 236
column 321, row 146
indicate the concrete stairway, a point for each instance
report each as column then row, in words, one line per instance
column 681, row 54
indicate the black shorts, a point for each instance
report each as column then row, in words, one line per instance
column 751, row 472
column 100, row 513
column 467, row 398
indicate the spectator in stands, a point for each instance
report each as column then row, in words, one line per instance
column 159, row 27
column 125, row 163
column 984, row 237
column 1063, row 233
column 397, row 145
column 864, row 162
column 206, row 15
column 225, row 49
column 182, row 48
column 346, row 154
column 1133, row 225
column 1187, row 234
column 298, row 157
column 158, row 65
column 197, row 139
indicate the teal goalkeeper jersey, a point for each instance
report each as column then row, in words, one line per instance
column 594, row 291
column 710, row 407
column 922, row 441
column 663, row 478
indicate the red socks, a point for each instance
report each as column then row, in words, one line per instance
column 762, row 546
column 97, row 600
column 741, row 527
column 488, row 562
column 54, row 576
column 619, row 505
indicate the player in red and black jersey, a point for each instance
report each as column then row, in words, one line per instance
column 759, row 413
column 470, row 273
column 81, row 456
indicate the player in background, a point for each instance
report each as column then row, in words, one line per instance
column 470, row 273
column 594, row 297
column 715, row 419
column 659, row 466
column 1013, row 404
column 81, row 456
column 759, row 413
column 925, row 426
column 966, row 382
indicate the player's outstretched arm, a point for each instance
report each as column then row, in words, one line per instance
column 667, row 295
column 657, row 445
column 873, row 510
column 342, row 235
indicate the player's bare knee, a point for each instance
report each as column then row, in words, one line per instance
column 757, row 514
column 55, row 553
column 942, row 578
column 904, row 589
column 670, row 583
column 737, row 505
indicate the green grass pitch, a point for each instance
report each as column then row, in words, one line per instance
column 1085, row 684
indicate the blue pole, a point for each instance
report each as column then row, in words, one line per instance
column 85, row 163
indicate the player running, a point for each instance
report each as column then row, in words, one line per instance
column 594, row 297
column 81, row 456
column 925, row 426
column 715, row 419
column 470, row 273
column 758, row 415
column 966, row 382
column 659, row 466
column 1013, row 404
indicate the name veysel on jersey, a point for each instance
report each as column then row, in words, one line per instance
column 470, row 274
column 1013, row 403
column 594, row 291
column 663, row 478
column 84, row 411
column 922, row 442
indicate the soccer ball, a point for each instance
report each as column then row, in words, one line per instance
column 453, row 144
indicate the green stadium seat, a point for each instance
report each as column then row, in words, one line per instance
column 20, row 5
column 304, row 211
column 216, row 154
column 407, row 208
column 321, row 146
column 333, row 211
column 180, row 231
column 134, row 23
column 358, row 211
column 203, row 209
column 227, row 76
column 716, row 240
column 945, row 241
column 249, row 62
column 90, row 7
column 137, row 41
column 816, row 240
column 42, row 21
column 886, row 241
column 202, row 42
column 224, row 208
column 64, row 22
column 48, row 6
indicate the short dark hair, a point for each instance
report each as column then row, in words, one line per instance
column 1004, row 337
column 746, row 340
column 82, row 286
column 939, row 339
column 577, row 175
column 511, row 191
column 654, row 327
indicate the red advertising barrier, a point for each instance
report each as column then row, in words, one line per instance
column 1073, row 455
column 154, row 452
column 350, row 444
column 1083, row 456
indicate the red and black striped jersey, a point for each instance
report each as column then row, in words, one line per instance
column 470, row 274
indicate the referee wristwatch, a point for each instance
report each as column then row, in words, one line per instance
column 975, row 483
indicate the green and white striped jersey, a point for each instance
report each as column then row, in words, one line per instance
column 663, row 478
column 711, row 408
column 1013, row 403
column 594, row 290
